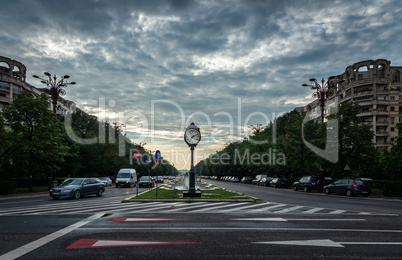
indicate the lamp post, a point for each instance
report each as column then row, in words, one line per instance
column 117, row 129
column 322, row 91
column 54, row 87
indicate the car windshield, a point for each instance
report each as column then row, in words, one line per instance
column 144, row 178
column 74, row 182
column 123, row 175
column 103, row 178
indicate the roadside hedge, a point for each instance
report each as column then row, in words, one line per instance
column 389, row 188
column 6, row 187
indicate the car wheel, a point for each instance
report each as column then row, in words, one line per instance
column 294, row 188
column 327, row 191
column 99, row 193
column 349, row 193
column 55, row 198
column 77, row 194
column 365, row 195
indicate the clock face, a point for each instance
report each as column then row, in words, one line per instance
column 192, row 136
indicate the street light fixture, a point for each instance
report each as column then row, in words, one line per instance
column 54, row 87
column 322, row 91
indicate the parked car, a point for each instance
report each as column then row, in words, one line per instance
column 266, row 181
column 309, row 183
column 146, row 182
column 257, row 179
column 78, row 187
column 235, row 179
column 246, row 180
column 279, row 183
column 106, row 181
column 348, row 187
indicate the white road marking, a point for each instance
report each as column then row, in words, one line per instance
column 298, row 219
column 324, row 243
column 44, row 240
column 240, row 208
column 337, row 211
column 313, row 210
column 289, row 209
column 267, row 208
column 218, row 207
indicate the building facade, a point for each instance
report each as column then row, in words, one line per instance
column 13, row 81
column 377, row 87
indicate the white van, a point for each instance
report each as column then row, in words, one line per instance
column 126, row 177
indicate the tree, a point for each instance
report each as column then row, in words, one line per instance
column 37, row 142
column 356, row 147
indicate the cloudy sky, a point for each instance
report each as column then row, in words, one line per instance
column 159, row 65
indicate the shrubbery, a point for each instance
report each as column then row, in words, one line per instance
column 6, row 187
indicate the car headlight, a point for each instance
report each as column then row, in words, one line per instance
column 67, row 190
column 126, row 181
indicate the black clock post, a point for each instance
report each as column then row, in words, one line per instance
column 192, row 137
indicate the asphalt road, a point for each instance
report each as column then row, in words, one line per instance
column 101, row 228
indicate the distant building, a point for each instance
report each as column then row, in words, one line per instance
column 13, row 81
column 377, row 87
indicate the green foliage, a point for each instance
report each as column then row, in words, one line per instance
column 6, row 187
column 354, row 147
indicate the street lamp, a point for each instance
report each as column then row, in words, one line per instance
column 54, row 87
column 117, row 129
column 322, row 91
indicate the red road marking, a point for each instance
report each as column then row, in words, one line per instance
column 144, row 219
column 97, row 243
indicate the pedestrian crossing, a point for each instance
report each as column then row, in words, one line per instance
column 114, row 205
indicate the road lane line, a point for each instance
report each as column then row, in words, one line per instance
column 291, row 229
column 44, row 240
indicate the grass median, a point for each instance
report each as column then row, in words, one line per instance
column 215, row 194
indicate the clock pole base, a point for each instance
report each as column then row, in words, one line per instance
column 188, row 194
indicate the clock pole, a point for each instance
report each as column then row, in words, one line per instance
column 189, row 134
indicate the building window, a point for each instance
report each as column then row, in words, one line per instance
column 4, row 85
column 392, row 97
column 392, row 129
column 16, row 89
column 392, row 120
column 392, row 108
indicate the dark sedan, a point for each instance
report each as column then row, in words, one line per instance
column 146, row 182
column 279, row 183
column 348, row 187
column 77, row 188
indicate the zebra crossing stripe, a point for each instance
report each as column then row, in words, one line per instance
column 289, row 209
column 267, row 208
column 241, row 208
column 224, row 206
column 313, row 210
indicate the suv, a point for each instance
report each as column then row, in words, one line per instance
column 309, row 183
column 257, row 179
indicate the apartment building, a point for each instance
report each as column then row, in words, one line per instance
column 377, row 87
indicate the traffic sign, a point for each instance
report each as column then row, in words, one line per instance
column 137, row 154
column 347, row 168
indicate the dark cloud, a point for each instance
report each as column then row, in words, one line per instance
column 203, row 56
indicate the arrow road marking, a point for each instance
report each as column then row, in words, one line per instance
column 96, row 243
column 144, row 219
column 298, row 219
column 324, row 243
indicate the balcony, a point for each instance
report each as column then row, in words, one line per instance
column 382, row 112
column 365, row 113
column 5, row 99
column 381, row 133
column 382, row 122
